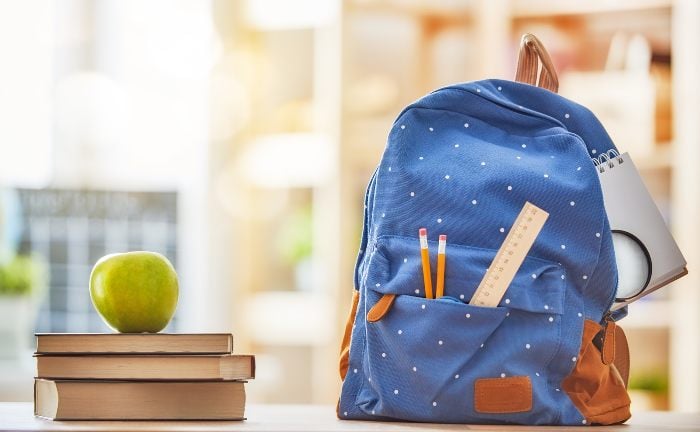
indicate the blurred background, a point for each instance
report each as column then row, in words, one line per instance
column 237, row 137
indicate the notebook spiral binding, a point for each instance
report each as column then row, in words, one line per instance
column 608, row 158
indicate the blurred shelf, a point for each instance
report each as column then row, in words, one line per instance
column 301, row 14
column 648, row 314
column 289, row 318
column 547, row 8
column 661, row 158
column 17, row 377
column 291, row 160
column 447, row 12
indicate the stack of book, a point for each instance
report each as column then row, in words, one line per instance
column 140, row 377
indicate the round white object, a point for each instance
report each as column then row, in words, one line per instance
column 633, row 267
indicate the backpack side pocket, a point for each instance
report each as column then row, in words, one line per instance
column 595, row 386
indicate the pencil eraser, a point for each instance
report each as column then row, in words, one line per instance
column 443, row 237
column 423, row 232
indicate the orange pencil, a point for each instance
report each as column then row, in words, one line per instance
column 425, row 259
column 440, row 288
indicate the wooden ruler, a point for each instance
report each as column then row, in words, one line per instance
column 510, row 256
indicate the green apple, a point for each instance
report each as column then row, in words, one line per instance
column 135, row 292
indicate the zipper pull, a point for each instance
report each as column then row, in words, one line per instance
column 608, row 345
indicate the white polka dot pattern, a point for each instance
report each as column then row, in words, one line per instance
column 450, row 167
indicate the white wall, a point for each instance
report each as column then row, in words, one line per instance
column 685, row 338
column 115, row 94
column 26, row 55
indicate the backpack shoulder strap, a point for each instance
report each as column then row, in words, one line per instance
column 532, row 53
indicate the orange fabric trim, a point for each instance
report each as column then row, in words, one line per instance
column 596, row 388
column 622, row 354
column 503, row 395
column 381, row 308
column 345, row 344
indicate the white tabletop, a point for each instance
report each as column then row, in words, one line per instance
column 17, row 416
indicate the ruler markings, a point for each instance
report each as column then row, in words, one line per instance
column 510, row 256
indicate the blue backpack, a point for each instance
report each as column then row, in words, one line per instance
column 462, row 161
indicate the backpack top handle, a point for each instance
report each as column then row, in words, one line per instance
column 532, row 52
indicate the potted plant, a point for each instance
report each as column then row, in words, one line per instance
column 21, row 279
column 295, row 245
column 649, row 390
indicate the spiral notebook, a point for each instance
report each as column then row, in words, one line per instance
column 647, row 256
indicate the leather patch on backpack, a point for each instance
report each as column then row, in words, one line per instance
column 503, row 395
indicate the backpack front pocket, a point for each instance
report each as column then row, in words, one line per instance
column 423, row 357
